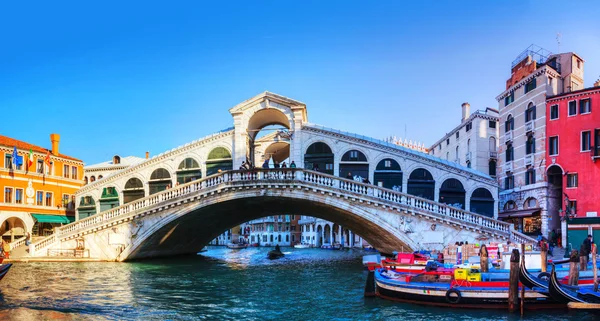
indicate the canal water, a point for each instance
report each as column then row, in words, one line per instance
column 220, row 284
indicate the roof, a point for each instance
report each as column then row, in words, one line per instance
column 11, row 142
column 125, row 162
column 575, row 92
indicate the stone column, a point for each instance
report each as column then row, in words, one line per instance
column 240, row 140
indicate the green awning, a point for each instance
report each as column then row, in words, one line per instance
column 46, row 218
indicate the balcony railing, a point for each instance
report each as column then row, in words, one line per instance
column 508, row 166
column 508, row 137
column 530, row 126
column 529, row 158
column 494, row 155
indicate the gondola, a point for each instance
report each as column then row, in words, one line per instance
column 530, row 281
column 564, row 294
column 4, row 269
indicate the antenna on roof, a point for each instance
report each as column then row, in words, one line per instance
column 558, row 35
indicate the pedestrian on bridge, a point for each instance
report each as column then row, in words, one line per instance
column 292, row 164
column 266, row 164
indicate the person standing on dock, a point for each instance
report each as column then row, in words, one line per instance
column 584, row 253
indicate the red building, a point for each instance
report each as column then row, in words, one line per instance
column 573, row 161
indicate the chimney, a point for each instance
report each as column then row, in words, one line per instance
column 55, row 139
column 466, row 111
column 597, row 83
column 147, row 155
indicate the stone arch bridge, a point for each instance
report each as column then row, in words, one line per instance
column 176, row 202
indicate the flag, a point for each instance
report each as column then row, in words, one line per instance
column 30, row 159
column 15, row 158
column 47, row 159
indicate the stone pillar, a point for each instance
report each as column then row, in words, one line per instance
column 240, row 140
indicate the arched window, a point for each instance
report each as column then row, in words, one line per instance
column 530, row 203
column 218, row 159
column 530, row 145
column 509, row 124
column 469, row 145
column 134, row 190
column 92, row 179
column 492, row 168
column 354, row 163
column 319, row 156
column 188, row 170
column 510, row 206
column 388, row 174
column 457, row 159
column 482, row 202
column 100, row 176
column 530, row 112
column 492, row 144
column 421, row 184
column 160, row 180
column 116, row 160
column 509, row 153
column 452, row 193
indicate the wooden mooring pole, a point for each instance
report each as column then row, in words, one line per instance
column 522, row 287
column 594, row 267
column 574, row 268
column 544, row 256
column 513, row 282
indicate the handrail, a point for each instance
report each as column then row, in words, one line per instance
column 287, row 175
column 18, row 242
column 519, row 237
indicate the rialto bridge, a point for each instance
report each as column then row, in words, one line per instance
column 176, row 202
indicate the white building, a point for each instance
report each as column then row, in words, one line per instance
column 535, row 74
column 473, row 143
column 279, row 230
column 318, row 232
column 94, row 172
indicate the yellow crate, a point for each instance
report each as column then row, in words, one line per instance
column 461, row 274
column 474, row 277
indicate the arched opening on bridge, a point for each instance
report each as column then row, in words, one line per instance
column 12, row 228
column 421, row 184
column 354, row 164
column 188, row 170
column 319, row 240
column 219, row 159
column 319, row 156
column 109, row 198
column 134, row 190
column 160, row 180
column 555, row 197
column 453, row 193
column 275, row 127
column 327, row 237
column 482, row 202
column 87, row 207
column 278, row 153
column 388, row 174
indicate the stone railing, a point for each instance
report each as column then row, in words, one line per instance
column 518, row 237
column 18, row 242
column 287, row 176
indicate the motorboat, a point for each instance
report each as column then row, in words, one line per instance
column 335, row 246
column 302, row 246
column 237, row 246
column 275, row 254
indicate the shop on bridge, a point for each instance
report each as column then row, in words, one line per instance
column 188, row 170
column 134, row 190
column 354, row 163
column 159, row 181
column 87, row 207
column 453, row 193
column 388, row 174
column 421, row 184
column 109, row 198
column 482, row 202
column 319, row 155
column 219, row 159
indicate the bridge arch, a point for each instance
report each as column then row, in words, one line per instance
column 262, row 118
column 421, row 184
column 188, row 229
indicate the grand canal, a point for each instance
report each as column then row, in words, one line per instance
column 219, row 284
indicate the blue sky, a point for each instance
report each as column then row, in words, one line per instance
column 128, row 77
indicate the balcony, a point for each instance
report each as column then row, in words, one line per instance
column 494, row 154
column 508, row 166
column 530, row 126
column 529, row 158
column 468, row 156
column 508, row 137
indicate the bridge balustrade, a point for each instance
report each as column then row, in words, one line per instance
column 283, row 175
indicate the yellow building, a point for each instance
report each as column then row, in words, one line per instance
column 38, row 188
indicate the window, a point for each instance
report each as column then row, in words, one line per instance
column 572, row 180
column 509, row 153
column 584, row 106
column 572, row 108
column 553, row 112
column 7, row 161
column 553, row 146
column 329, row 167
column 578, row 64
column 387, row 163
column 586, row 138
column 440, row 147
column 457, row 135
column 48, row 199
column 492, row 124
column 530, row 112
column 353, row 154
column 509, row 124
column 65, row 200
column 530, row 145
column 509, row 99
column 448, row 141
column 74, row 172
column 8, row 192
column 492, row 168
column 530, row 176
column 456, row 156
column 19, row 196
column 40, row 166
column 66, row 171
column 531, row 203
column 573, row 207
column 469, row 126
column 530, row 85
column 509, row 182
column 39, row 198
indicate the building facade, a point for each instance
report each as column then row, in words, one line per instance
column 473, row 143
column 282, row 230
column 535, row 75
column 573, row 158
column 98, row 171
column 38, row 187
column 318, row 232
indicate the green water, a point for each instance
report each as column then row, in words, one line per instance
column 221, row 284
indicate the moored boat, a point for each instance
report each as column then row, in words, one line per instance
column 302, row 246
column 335, row 246
column 565, row 294
column 4, row 269
column 237, row 246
